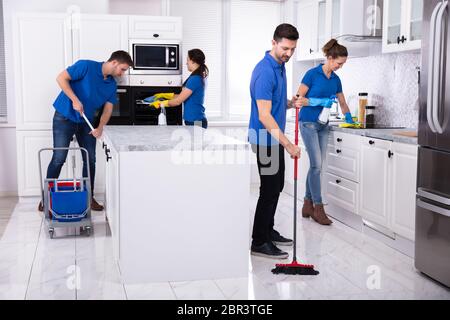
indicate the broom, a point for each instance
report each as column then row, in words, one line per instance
column 294, row 267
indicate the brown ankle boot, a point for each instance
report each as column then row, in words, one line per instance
column 320, row 216
column 308, row 208
column 96, row 206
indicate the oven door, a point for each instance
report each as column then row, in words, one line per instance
column 154, row 58
column 122, row 111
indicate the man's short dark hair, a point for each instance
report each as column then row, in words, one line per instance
column 121, row 57
column 287, row 31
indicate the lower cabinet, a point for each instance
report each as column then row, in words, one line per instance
column 404, row 181
column 388, row 185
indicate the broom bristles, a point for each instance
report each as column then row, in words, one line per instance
column 295, row 268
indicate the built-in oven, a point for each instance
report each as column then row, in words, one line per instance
column 144, row 114
column 155, row 56
column 122, row 113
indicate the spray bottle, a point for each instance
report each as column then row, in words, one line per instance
column 162, row 116
column 325, row 114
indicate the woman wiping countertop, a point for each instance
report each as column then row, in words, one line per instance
column 317, row 86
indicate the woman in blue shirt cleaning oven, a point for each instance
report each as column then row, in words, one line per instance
column 317, row 87
column 193, row 92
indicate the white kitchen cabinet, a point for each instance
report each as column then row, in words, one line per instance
column 311, row 20
column 112, row 197
column 320, row 20
column 67, row 39
column 388, row 185
column 155, row 27
column 42, row 48
column 374, row 180
column 402, row 25
column 341, row 192
column 343, row 162
column 96, row 36
column 404, row 181
column 29, row 143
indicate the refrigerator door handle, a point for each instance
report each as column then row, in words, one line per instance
column 437, row 64
column 432, row 196
column 431, row 207
column 431, row 67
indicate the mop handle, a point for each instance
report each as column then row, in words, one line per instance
column 297, row 110
column 89, row 124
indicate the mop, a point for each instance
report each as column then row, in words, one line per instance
column 294, row 267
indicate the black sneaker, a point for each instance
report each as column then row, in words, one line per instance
column 279, row 240
column 268, row 250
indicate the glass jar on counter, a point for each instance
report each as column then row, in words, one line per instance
column 370, row 117
column 362, row 108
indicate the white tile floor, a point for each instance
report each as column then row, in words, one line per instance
column 32, row 266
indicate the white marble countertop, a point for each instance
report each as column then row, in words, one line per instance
column 385, row 134
column 164, row 138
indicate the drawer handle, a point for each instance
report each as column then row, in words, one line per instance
column 103, row 145
column 338, row 151
column 338, row 181
column 371, row 142
column 339, row 140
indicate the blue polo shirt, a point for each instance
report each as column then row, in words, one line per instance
column 90, row 87
column 268, row 82
column 193, row 106
column 319, row 87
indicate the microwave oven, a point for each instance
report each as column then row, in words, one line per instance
column 156, row 56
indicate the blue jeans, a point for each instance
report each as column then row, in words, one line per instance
column 315, row 137
column 63, row 131
column 201, row 123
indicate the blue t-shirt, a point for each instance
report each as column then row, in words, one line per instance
column 193, row 106
column 90, row 87
column 268, row 82
column 319, row 87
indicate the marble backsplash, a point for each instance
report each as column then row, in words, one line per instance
column 392, row 83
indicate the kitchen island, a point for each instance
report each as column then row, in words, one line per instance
column 177, row 202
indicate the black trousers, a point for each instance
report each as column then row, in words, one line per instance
column 271, row 172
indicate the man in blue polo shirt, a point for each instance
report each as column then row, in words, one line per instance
column 268, row 89
column 86, row 87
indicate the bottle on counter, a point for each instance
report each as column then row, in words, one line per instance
column 370, row 117
column 325, row 113
column 362, row 108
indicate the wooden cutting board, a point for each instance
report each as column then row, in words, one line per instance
column 412, row 134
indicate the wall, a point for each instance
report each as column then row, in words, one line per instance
column 390, row 79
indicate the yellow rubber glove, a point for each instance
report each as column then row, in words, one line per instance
column 167, row 95
column 158, row 104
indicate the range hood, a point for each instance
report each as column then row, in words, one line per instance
column 361, row 21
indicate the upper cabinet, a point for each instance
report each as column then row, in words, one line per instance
column 150, row 27
column 402, row 25
column 320, row 20
column 313, row 29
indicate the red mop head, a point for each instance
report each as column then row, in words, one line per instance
column 295, row 268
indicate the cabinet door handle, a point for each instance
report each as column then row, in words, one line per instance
column 399, row 40
column 403, row 39
column 338, row 151
column 108, row 157
column 311, row 51
column 339, row 140
column 103, row 145
column 371, row 142
column 390, row 154
column 338, row 181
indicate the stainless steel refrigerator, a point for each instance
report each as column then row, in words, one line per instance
column 432, row 245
